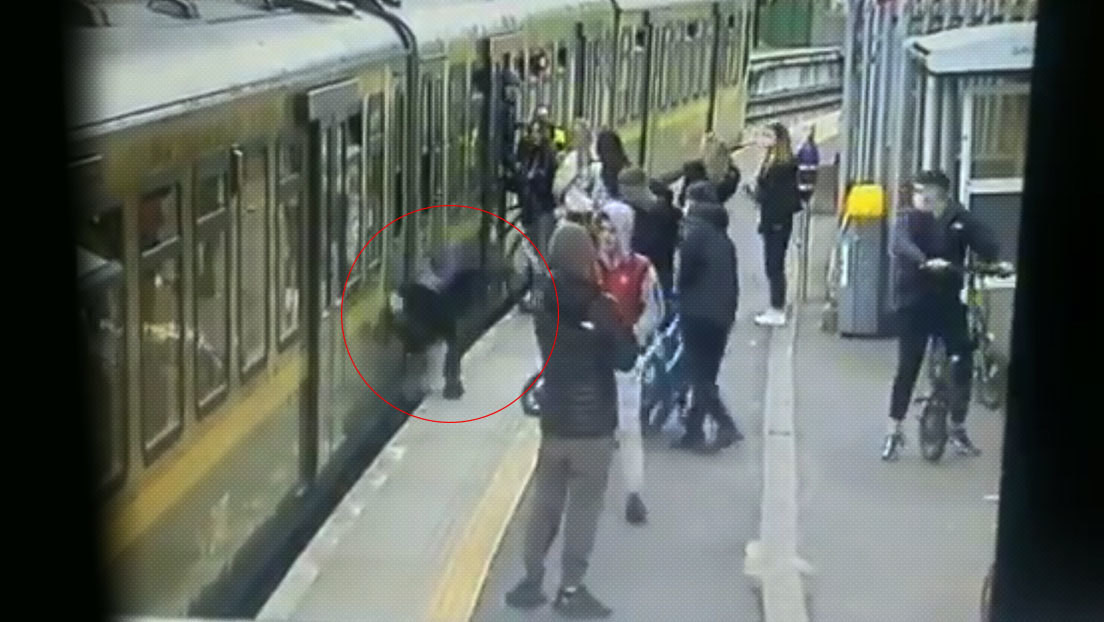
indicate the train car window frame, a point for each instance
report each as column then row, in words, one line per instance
column 374, row 178
column 353, row 158
column 621, row 93
column 640, row 58
column 259, row 149
column 154, row 445
column 289, row 184
column 396, row 124
column 90, row 204
column 208, row 225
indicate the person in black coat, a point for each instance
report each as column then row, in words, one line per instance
column 655, row 230
column 708, row 296
column 578, row 418
column 779, row 199
column 668, row 238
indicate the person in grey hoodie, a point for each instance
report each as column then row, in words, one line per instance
column 578, row 419
column 708, row 295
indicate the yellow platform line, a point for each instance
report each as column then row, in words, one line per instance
column 469, row 563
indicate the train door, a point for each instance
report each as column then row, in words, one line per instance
column 332, row 114
column 500, row 240
column 431, row 224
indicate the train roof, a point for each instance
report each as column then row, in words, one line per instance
column 644, row 5
column 133, row 73
column 447, row 20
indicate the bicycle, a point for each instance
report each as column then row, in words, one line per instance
column 933, row 418
column 663, row 389
column 987, row 584
column 989, row 368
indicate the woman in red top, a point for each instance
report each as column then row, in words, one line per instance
column 632, row 281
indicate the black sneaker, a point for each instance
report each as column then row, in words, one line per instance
column 727, row 435
column 453, row 390
column 526, row 595
column 892, row 449
column 580, row 605
column 635, row 511
column 690, row 442
column 962, row 443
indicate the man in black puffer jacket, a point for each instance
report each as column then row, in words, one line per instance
column 708, row 295
column 578, row 406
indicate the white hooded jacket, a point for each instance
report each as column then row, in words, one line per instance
column 621, row 217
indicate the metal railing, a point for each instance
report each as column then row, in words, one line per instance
column 784, row 84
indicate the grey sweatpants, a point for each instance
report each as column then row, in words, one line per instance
column 572, row 472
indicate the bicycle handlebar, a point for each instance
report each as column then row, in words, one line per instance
column 975, row 269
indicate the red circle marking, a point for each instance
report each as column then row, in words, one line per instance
column 345, row 340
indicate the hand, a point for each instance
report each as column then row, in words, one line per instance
column 936, row 263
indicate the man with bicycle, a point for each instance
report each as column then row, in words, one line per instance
column 930, row 243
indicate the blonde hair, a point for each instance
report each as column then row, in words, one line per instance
column 715, row 157
column 782, row 150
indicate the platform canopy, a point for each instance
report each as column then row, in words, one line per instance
column 994, row 48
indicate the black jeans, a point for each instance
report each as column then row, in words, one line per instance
column 704, row 341
column 918, row 324
column 776, row 239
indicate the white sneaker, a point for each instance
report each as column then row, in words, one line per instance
column 771, row 317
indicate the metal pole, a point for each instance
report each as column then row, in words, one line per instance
column 931, row 108
column 885, row 59
column 947, row 141
column 848, row 107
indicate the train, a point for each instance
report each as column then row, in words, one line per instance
column 225, row 154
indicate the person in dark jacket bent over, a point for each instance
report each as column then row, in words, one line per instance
column 708, row 295
column 578, row 407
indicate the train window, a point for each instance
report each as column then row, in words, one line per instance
column 212, row 295
column 623, row 76
column 102, row 331
column 562, row 59
column 288, row 238
column 354, row 204
column 252, row 263
column 539, row 63
column 159, row 220
column 160, row 308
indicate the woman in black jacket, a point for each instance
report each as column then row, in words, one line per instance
column 779, row 199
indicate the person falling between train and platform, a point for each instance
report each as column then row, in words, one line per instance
column 709, row 292
column 932, row 236
column 632, row 281
column 578, row 418
column 427, row 310
column 778, row 197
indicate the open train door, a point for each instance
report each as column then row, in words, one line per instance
column 499, row 125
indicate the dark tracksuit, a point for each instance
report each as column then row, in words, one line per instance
column 709, row 291
column 928, row 304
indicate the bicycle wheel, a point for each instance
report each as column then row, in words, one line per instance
column 987, row 596
column 991, row 386
column 933, row 430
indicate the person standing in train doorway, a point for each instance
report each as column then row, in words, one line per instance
column 632, row 281
column 578, row 407
column 778, row 198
